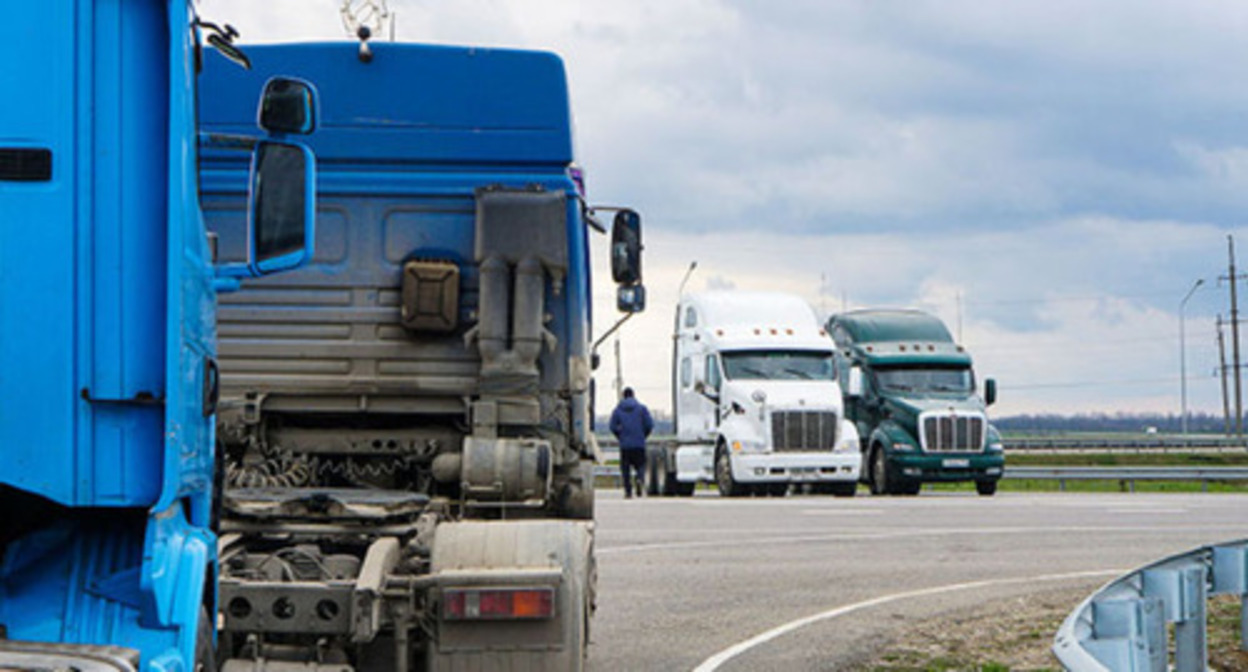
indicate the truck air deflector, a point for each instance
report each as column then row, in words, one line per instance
column 25, row 164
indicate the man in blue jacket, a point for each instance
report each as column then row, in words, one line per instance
column 631, row 424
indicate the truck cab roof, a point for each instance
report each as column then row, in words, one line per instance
column 896, row 336
column 456, row 105
column 752, row 320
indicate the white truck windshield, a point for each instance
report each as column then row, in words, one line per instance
column 778, row 365
column 926, row 380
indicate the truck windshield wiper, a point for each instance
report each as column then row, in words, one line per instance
column 800, row 373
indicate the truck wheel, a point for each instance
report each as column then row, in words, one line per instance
column 910, row 488
column 986, row 488
column 842, row 489
column 656, row 471
column 728, row 486
column 777, row 489
column 576, row 500
column 673, row 487
column 882, row 482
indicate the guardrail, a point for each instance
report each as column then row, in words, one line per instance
column 1142, row 444
column 1129, row 475
column 1122, row 626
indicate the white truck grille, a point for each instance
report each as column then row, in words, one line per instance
column 803, row 430
column 948, row 433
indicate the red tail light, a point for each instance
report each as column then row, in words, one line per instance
column 470, row 604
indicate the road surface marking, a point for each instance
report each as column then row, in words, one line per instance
column 903, row 533
column 713, row 663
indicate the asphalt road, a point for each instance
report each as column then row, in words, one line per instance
column 815, row 583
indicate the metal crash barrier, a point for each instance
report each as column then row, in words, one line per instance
column 1123, row 626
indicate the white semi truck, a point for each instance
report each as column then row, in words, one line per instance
column 756, row 400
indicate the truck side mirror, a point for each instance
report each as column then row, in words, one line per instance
column 631, row 299
column 990, row 392
column 281, row 207
column 853, row 386
column 287, row 105
column 626, row 248
column 281, row 220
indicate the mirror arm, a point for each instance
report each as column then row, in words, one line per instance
column 591, row 217
column 619, row 323
column 241, row 143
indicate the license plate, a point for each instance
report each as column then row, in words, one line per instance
column 803, row 474
column 955, row 463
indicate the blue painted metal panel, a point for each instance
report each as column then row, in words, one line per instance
column 462, row 119
column 454, row 104
column 83, row 255
column 106, row 318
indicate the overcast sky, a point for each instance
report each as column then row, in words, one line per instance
column 1050, row 177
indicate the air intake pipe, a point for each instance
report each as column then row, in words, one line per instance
column 527, row 310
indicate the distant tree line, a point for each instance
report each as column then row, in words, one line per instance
column 1168, row 423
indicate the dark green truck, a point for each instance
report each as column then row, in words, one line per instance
column 911, row 392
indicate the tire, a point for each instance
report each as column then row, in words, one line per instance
column 576, row 500
column 205, row 656
column 728, row 486
column 673, row 487
column 986, row 488
column 909, row 488
column 656, row 469
column 882, row 481
column 777, row 489
column 842, row 489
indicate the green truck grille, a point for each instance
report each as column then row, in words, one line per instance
column 953, row 433
column 803, row 430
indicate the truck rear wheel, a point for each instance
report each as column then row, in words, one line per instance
column 656, row 472
column 842, row 489
column 728, row 486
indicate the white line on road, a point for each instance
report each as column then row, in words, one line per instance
column 735, row 650
column 896, row 534
column 842, row 512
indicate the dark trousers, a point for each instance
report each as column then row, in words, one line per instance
column 632, row 460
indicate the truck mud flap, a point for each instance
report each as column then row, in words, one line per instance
column 511, row 595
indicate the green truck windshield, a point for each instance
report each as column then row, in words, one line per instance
column 926, row 379
column 778, row 365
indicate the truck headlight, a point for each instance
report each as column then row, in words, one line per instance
column 902, row 446
column 996, row 447
column 747, row 446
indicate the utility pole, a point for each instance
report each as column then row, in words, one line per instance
column 1233, row 280
column 1226, row 402
column 1183, row 358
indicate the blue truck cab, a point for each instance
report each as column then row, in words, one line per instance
column 406, row 420
column 108, row 375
